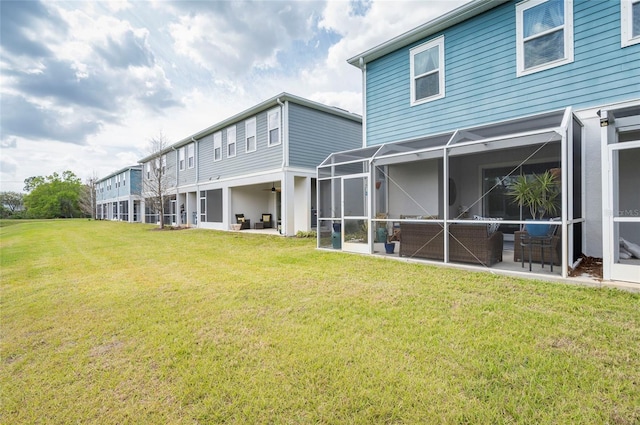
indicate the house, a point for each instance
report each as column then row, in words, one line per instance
column 118, row 195
column 456, row 109
column 256, row 168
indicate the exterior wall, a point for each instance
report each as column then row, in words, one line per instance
column 263, row 158
column 420, row 177
column 124, row 196
column 314, row 135
column 480, row 75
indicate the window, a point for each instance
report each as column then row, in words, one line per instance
column 217, row 146
column 231, row 142
column 273, row 119
column 630, row 15
column 118, row 181
column 191, row 155
column 250, row 135
column 148, row 166
column 164, row 164
column 181, row 158
column 544, row 31
column 124, row 179
column 427, row 71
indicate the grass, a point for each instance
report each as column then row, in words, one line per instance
column 112, row 323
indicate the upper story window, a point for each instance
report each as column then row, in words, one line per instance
column 124, row 179
column 273, row 119
column 427, row 71
column 630, row 24
column 163, row 164
column 231, row 142
column 191, row 155
column 217, row 146
column 118, row 181
column 544, row 34
column 181, row 158
column 148, row 168
column 250, row 135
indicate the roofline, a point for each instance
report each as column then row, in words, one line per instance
column 262, row 106
column 122, row 170
column 449, row 19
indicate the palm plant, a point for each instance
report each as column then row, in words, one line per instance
column 538, row 192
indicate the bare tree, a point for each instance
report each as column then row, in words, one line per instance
column 87, row 200
column 156, row 176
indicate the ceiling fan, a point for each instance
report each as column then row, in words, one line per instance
column 273, row 189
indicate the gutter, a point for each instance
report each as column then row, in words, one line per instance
column 432, row 27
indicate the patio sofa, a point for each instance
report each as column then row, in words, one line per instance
column 469, row 243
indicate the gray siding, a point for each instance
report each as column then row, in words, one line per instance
column 188, row 175
column 314, row 135
column 264, row 158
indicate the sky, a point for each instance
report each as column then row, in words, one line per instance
column 85, row 85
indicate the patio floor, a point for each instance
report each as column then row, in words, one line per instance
column 509, row 267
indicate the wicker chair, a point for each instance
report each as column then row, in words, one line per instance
column 536, row 252
column 469, row 243
column 245, row 223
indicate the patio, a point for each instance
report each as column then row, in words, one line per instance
column 454, row 181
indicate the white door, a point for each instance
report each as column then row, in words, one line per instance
column 621, row 236
column 355, row 213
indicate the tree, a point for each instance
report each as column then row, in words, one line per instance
column 156, row 184
column 87, row 199
column 54, row 196
column 11, row 203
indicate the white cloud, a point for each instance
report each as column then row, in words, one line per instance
column 107, row 76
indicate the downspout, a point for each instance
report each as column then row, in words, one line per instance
column 285, row 133
column 196, row 158
column 284, row 122
column 363, row 67
column 179, row 222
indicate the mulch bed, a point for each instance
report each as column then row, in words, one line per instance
column 591, row 266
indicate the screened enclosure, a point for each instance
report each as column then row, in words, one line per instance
column 449, row 197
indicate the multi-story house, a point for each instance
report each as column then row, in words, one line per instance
column 456, row 109
column 259, row 164
column 118, row 195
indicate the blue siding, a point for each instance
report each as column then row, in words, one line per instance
column 135, row 177
column 480, row 75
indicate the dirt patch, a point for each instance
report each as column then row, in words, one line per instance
column 156, row 229
column 591, row 266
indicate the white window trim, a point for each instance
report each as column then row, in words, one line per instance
column 232, row 141
column 247, row 124
column 191, row 155
column 217, row 145
column 567, row 32
column 181, row 158
column 439, row 41
column 626, row 23
column 269, row 128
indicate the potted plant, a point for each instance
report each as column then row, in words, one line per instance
column 381, row 228
column 539, row 193
column 389, row 246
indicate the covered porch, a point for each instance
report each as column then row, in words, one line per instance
column 446, row 198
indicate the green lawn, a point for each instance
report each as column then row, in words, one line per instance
column 107, row 322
